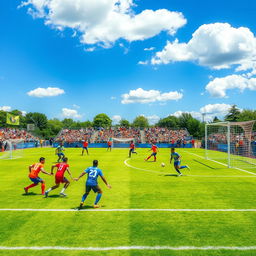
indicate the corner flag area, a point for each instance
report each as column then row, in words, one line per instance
column 210, row 210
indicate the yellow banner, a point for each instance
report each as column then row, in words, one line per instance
column 12, row 119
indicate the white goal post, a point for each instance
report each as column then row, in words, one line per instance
column 231, row 143
column 12, row 149
column 121, row 140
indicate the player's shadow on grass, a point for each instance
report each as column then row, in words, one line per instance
column 172, row 175
column 29, row 194
column 87, row 207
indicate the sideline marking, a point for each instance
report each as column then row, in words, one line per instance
column 126, row 248
column 127, row 210
column 203, row 176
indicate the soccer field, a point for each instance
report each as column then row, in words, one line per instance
column 148, row 211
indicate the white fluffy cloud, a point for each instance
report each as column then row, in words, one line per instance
column 153, row 119
column 105, row 21
column 46, row 92
column 217, row 46
column 116, row 119
column 219, row 86
column 5, row 108
column 142, row 96
column 70, row 113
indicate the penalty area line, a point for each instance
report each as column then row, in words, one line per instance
column 128, row 248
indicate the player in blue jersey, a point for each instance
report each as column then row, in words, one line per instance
column 92, row 184
column 177, row 159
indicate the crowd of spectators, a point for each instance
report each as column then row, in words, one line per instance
column 165, row 135
column 72, row 135
column 14, row 134
column 119, row 132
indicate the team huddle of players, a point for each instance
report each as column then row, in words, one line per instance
column 92, row 172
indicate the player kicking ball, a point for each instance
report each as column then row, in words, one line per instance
column 177, row 160
column 34, row 171
column 59, row 177
column 154, row 150
column 92, row 184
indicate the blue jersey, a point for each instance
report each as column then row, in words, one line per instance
column 93, row 173
column 175, row 156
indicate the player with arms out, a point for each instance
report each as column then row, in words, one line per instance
column 132, row 149
column 109, row 145
column 177, row 159
column 59, row 177
column 59, row 152
column 85, row 147
column 34, row 171
column 154, row 150
column 92, row 183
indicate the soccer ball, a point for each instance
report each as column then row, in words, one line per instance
column 163, row 164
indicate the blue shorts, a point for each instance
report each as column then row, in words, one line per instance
column 36, row 180
column 84, row 147
column 153, row 154
column 177, row 163
column 60, row 154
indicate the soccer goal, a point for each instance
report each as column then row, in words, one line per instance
column 117, row 142
column 231, row 143
column 12, row 149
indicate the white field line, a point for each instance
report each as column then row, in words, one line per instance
column 127, row 210
column 203, row 176
column 128, row 248
column 242, row 170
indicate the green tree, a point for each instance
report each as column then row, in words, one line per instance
column 216, row 120
column 184, row 119
column 102, row 120
column 194, row 127
column 40, row 120
column 233, row 114
column 86, row 124
column 247, row 115
column 54, row 126
column 140, row 122
column 168, row 122
column 68, row 122
column 124, row 123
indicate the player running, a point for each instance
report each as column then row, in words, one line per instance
column 109, row 145
column 34, row 170
column 177, row 160
column 85, row 147
column 59, row 152
column 59, row 177
column 154, row 150
column 92, row 183
column 132, row 149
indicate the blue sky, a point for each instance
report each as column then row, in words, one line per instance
column 127, row 58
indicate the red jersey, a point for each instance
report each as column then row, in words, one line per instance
column 36, row 168
column 85, row 144
column 62, row 167
column 132, row 146
column 154, row 148
column 109, row 143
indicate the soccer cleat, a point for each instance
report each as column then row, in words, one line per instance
column 46, row 194
column 96, row 206
column 180, row 174
column 81, row 206
column 63, row 194
column 26, row 190
column 188, row 167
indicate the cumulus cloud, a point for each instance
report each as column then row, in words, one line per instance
column 116, row 119
column 46, row 92
column 219, row 86
column 70, row 113
column 143, row 96
column 105, row 21
column 217, row 46
column 5, row 108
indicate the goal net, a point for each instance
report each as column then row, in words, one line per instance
column 12, row 149
column 118, row 142
column 231, row 143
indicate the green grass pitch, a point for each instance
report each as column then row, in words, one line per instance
column 140, row 185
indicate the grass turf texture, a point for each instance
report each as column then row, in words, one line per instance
column 132, row 188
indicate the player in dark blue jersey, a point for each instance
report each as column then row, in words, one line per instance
column 177, row 159
column 92, row 183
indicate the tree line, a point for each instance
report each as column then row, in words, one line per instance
column 47, row 128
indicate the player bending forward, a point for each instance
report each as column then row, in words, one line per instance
column 155, row 150
column 34, row 171
column 59, row 177
column 177, row 160
column 92, row 183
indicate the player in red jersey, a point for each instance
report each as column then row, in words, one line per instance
column 34, row 171
column 85, row 147
column 132, row 149
column 59, row 177
column 109, row 145
column 155, row 150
